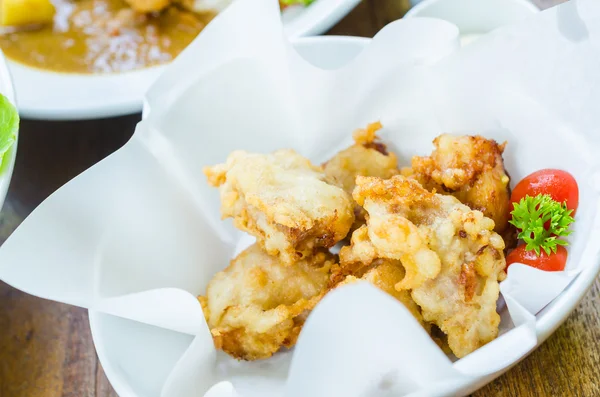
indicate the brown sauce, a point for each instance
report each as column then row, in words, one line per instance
column 104, row 36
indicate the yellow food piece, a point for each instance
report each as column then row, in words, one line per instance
column 148, row 5
column 26, row 12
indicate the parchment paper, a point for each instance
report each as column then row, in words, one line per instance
column 138, row 236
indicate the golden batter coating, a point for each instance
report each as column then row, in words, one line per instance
column 385, row 274
column 470, row 168
column 257, row 304
column 367, row 157
column 282, row 200
column 452, row 257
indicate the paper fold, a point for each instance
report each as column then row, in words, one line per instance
column 377, row 356
column 139, row 235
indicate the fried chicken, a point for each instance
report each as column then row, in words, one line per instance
column 385, row 274
column 471, row 169
column 391, row 231
column 282, row 200
column 452, row 256
column 257, row 304
column 367, row 157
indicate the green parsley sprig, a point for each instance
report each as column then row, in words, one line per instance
column 532, row 213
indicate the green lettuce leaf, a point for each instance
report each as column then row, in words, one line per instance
column 295, row 2
column 9, row 125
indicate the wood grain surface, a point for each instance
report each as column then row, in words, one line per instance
column 46, row 348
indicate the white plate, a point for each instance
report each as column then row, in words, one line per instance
column 113, row 337
column 60, row 96
column 7, row 89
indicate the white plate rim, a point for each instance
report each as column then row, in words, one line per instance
column 84, row 97
column 424, row 5
column 554, row 315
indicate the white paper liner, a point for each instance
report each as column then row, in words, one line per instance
column 139, row 235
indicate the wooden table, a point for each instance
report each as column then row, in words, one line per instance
column 46, row 348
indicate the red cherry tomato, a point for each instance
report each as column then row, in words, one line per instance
column 560, row 185
column 554, row 262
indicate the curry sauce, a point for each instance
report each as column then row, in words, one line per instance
column 104, row 36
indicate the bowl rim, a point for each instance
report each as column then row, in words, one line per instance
column 554, row 315
column 417, row 9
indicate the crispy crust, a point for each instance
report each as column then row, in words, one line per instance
column 471, row 168
column 385, row 274
column 257, row 305
column 282, row 200
column 452, row 257
column 367, row 157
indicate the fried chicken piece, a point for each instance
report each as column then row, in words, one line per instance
column 282, row 200
column 367, row 157
column 148, row 5
column 385, row 274
column 452, row 256
column 471, row 169
column 391, row 230
column 257, row 304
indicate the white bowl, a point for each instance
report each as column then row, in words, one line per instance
column 60, row 96
column 7, row 89
column 114, row 337
column 474, row 17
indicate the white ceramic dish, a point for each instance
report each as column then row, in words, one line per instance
column 58, row 96
column 474, row 17
column 114, row 337
column 7, row 89
column 325, row 51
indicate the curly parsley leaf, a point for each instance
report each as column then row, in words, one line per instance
column 531, row 215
